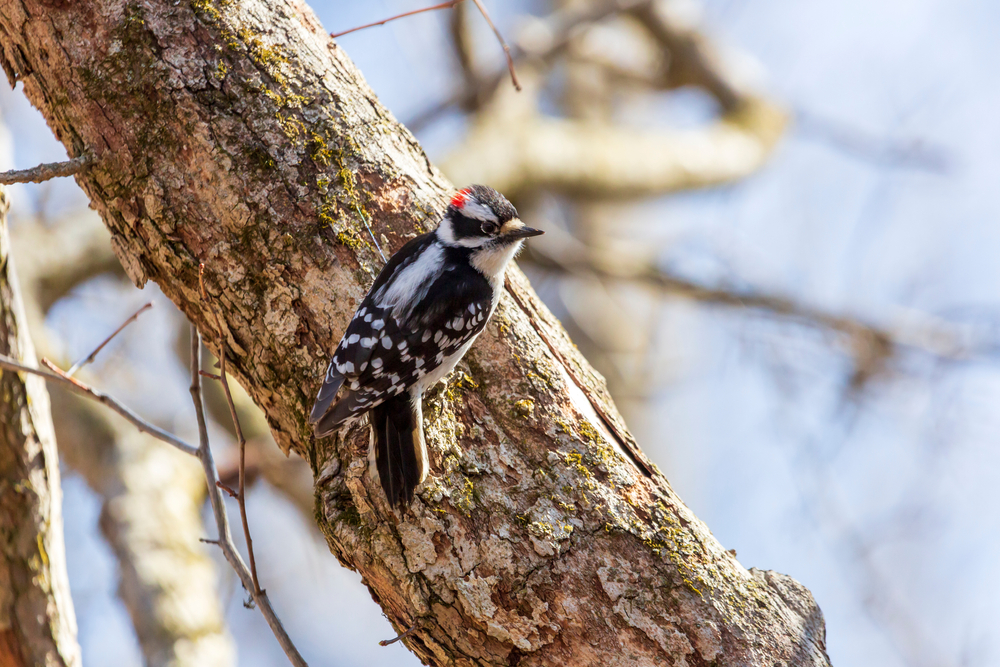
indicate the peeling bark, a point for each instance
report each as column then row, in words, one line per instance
column 37, row 622
column 235, row 134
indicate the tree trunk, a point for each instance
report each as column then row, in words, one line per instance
column 37, row 623
column 234, row 133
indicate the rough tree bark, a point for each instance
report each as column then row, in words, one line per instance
column 37, row 623
column 236, row 134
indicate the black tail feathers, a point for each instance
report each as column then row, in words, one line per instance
column 400, row 455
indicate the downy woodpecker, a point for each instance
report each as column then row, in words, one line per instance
column 425, row 309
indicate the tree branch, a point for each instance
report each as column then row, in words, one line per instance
column 241, row 494
column 100, row 346
column 37, row 620
column 47, row 171
column 443, row 5
column 225, row 540
column 59, row 377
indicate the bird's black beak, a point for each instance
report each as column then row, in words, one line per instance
column 523, row 233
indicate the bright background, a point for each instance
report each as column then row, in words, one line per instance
column 882, row 501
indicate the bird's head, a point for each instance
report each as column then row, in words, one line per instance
column 481, row 218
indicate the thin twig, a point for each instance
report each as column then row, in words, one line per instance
column 364, row 219
column 58, row 377
column 47, row 171
column 228, row 489
column 241, row 496
column 443, row 5
column 225, row 540
column 90, row 357
column 386, row 642
column 563, row 24
column 503, row 43
column 449, row 5
column 210, row 376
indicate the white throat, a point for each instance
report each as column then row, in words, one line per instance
column 492, row 261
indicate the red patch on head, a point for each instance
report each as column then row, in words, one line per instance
column 458, row 201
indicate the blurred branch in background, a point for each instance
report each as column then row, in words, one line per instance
column 871, row 346
column 588, row 152
column 151, row 495
column 880, row 151
column 37, row 620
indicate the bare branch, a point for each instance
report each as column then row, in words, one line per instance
column 47, row 171
column 90, row 357
column 225, row 541
column 443, row 5
column 886, row 152
column 387, row 642
column 59, row 377
column 449, row 5
column 241, row 495
column 871, row 344
column 503, row 43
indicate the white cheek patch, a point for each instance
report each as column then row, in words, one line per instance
column 445, row 233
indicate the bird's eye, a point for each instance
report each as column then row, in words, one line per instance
column 489, row 228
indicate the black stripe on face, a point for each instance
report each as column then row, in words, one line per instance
column 465, row 227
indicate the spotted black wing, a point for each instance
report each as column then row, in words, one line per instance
column 392, row 353
column 350, row 355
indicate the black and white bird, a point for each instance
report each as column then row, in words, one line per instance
column 425, row 309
